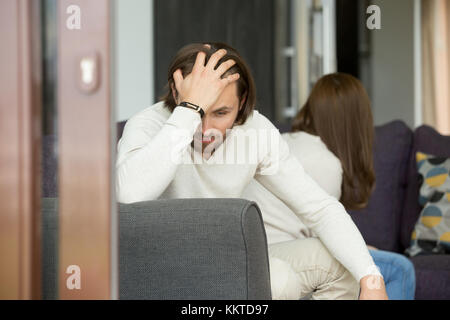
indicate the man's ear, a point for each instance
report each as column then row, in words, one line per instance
column 174, row 92
column 243, row 100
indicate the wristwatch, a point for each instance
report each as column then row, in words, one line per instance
column 193, row 106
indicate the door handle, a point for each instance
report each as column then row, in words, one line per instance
column 88, row 73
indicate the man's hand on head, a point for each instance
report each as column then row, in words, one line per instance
column 204, row 84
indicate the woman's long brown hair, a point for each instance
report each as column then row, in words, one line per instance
column 338, row 111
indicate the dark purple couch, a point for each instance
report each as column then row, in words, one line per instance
column 393, row 209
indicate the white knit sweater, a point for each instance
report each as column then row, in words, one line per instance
column 280, row 222
column 154, row 162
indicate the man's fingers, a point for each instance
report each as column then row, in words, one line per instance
column 178, row 79
column 199, row 61
column 230, row 79
column 215, row 58
column 224, row 66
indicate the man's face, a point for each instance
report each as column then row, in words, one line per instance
column 219, row 117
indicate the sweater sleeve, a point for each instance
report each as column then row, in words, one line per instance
column 283, row 175
column 149, row 153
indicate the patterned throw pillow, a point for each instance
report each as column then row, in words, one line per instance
column 431, row 233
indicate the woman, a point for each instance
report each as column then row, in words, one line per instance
column 332, row 138
column 208, row 106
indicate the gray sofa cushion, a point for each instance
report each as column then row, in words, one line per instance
column 179, row 249
column 193, row 249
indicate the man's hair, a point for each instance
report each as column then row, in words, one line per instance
column 185, row 60
column 338, row 111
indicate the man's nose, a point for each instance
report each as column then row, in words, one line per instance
column 206, row 125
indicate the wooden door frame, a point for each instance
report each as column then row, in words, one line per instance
column 20, row 150
column 87, row 216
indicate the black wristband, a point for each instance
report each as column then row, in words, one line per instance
column 193, row 106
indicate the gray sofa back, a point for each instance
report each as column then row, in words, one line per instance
column 180, row 249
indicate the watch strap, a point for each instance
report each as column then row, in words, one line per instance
column 193, row 106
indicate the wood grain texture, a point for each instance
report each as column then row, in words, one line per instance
column 20, row 145
column 84, row 153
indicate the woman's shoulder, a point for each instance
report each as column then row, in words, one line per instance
column 302, row 137
column 310, row 148
column 303, row 140
column 317, row 160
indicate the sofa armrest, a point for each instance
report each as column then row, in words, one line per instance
column 193, row 249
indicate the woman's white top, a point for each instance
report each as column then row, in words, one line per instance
column 155, row 161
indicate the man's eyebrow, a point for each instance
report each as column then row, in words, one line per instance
column 224, row 108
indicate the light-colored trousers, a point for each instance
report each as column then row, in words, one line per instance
column 305, row 267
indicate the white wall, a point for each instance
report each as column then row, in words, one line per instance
column 393, row 94
column 133, row 46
